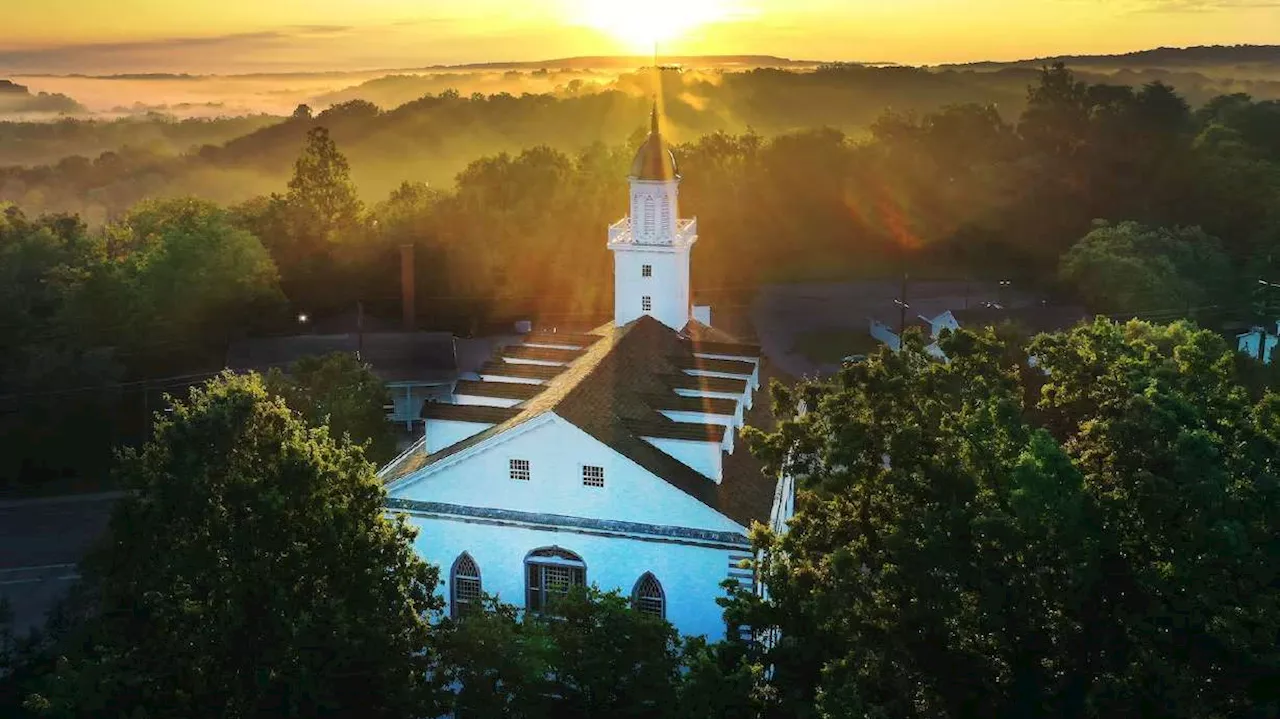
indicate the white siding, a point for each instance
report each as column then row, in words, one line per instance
column 690, row 575
column 443, row 433
column 556, row 451
column 668, row 285
column 707, row 458
column 484, row 401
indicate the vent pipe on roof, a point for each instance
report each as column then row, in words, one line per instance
column 407, row 286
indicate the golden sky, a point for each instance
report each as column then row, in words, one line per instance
column 201, row 36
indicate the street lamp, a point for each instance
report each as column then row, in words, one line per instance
column 302, row 318
column 1000, row 293
column 1262, row 329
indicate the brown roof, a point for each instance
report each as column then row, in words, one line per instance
column 688, row 361
column 502, row 390
column 604, row 393
column 705, row 384
column 481, row 414
column 565, row 339
column 726, row 348
column 678, row 403
column 678, row 430
column 523, row 371
column 543, row 354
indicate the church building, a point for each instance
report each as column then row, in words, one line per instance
column 610, row 458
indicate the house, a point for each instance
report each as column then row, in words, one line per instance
column 1248, row 343
column 416, row 366
column 610, row 457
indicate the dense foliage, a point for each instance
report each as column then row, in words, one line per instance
column 251, row 573
column 1093, row 537
column 339, row 392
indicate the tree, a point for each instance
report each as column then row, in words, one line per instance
column 981, row 539
column 595, row 657
column 251, row 572
column 339, row 392
column 187, row 279
column 1129, row 268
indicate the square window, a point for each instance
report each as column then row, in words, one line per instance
column 520, row 469
column 646, row 304
column 646, row 270
column 593, row 476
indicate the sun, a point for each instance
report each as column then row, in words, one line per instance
column 640, row 25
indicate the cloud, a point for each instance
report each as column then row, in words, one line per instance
column 1196, row 5
column 294, row 47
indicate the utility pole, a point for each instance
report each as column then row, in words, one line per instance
column 359, row 330
column 901, row 302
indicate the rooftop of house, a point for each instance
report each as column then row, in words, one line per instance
column 613, row 391
column 396, row 357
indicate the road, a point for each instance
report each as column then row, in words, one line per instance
column 41, row 541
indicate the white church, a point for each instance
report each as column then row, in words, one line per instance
column 608, row 458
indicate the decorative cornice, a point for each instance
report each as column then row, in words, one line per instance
column 560, row 521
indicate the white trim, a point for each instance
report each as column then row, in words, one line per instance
column 482, row 446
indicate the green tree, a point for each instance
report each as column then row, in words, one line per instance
column 595, row 657
column 1129, row 268
column 251, row 572
column 187, row 279
column 981, row 539
column 342, row 393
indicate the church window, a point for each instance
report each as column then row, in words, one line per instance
column 647, row 218
column 666, row 212
column 593, row 476
column 646, row 304
column 520, row 469
column 647, row 596
column 646, row 270
column 464, row 590
column 549, row 575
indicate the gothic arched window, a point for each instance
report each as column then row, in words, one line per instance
column 648, row 218
column 647, row 596
column 549, row 574
column 464, row 585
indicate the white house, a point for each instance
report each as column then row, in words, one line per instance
column 610, row 457
column 1248, row 342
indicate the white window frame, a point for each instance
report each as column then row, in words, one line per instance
column 593, row 476
column 519, row 470
column 646, row 271
column 646, row 303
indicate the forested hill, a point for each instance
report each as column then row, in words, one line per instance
column 1200, row 57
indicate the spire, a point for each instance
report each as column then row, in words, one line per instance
column 653, row 118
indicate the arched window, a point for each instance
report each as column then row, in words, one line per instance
column 549, row 574
column 648, row 217
column 464, row 585
column 647, row 596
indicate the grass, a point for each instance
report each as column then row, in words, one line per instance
column 829, row 346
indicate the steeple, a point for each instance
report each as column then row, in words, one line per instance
column 651, row 248
column 655, row 162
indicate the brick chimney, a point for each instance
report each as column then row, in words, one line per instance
column 407, row 286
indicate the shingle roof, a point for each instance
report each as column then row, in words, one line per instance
column 522, row 371
column 713, row 365
column 482, row 414
column 726, row 385
column 503, row 390
column 677, row 430
column 726, row 348
column 543, row 354
column 607, row 393
column 679, row 403
column 566, row 339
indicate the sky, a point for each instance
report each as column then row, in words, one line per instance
column 239, row 36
